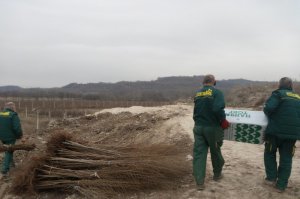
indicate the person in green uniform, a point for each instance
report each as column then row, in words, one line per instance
column 210, row 120
column 10, row 131
column 283, row 130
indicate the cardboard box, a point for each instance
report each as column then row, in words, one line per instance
column 246, row 126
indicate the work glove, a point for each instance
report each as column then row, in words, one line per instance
column 225, row 124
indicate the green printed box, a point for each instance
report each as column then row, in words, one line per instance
column 246, row 126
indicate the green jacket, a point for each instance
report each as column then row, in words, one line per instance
column 10, row 126
column 209, row 107
column 283, row 112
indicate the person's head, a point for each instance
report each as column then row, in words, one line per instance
column 285, row 83
column 209, row 80
column 10, row 105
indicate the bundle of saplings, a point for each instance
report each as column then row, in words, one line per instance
column 68, row 165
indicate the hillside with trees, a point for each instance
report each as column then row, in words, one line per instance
column 162, row 89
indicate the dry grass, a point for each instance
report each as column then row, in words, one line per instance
column 252, row 96
column 29, row 124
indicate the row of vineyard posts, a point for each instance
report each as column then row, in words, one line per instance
column 55, row 108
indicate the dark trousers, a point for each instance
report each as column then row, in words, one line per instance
column 286, row 149
column 8, row 158
column 212, row 138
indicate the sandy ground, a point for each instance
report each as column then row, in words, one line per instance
column 243, row 170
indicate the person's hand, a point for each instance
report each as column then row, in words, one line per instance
column 225, row 124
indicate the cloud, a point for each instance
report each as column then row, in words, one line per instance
column 141, row 40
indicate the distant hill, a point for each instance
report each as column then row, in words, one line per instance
column 162, row 89
column 10, row 88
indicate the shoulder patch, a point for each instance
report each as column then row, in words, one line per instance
column 293, row 95
column 206, row 93
column 5, row 114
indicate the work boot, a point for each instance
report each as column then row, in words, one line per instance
column 4, row 176
column 4, row 172
column 279, row 190
column 218, row 177
column 200, row 187
column 269, row 182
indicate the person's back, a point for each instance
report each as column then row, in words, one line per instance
column 283, row 111
column 209, row 107
column 10, row 128
column 10, row 131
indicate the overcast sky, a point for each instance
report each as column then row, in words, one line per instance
column 50, row 43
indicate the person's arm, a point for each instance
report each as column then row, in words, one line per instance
column 219, row 105
column 272, row 103
column 17, row 129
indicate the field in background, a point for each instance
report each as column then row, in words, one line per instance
column 36, row 113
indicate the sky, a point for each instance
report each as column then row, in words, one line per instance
column 53, row 43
